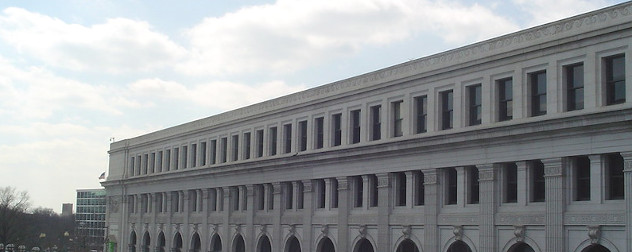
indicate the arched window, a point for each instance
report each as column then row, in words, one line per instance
column 161, row 242
column 238, row 244
column 293, row 245
column 264, row 244
column 364, row 246
column 216, row 243
column 146, row 242
column 596, row 248
column 459, row 246
column 521, row 247
column 196, row 245
column 325, row 245
column 407, row 246
column 132, row 242
column 177, row 243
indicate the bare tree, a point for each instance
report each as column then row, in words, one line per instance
column 13, row 206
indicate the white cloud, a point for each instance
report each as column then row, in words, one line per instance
column 289, row 35
column 544, row 11
column 118, row 45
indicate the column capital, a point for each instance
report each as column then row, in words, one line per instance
column 307, row 185
column 627, row 161
column 343, row 183
column 553, row 167
column 276, row 187
column 487, row 172
column 383, row 180
column 430, row 177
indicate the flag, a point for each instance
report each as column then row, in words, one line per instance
column 102, row 176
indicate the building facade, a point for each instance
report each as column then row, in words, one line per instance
column 90, row 219
column 518, row 143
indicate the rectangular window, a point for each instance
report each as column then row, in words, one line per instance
column 131, row 166
column 447, row 109
column 273, row 141
column 320, row 186
column 376, row 123
column 176, row 158
column 355, row 126
column 615, row 184
column 289, row 195
column 320, row 132
column 145, row 159
column 152, row 160
column 358, row 191
column 159, row 162
column 167, row 160
column 451, row 186
column 302, row 131
column 537, row 182
column 505, row 99
column 259, row 140
column 235, row 149
column 299, row 197
column 397, row 119
column 246, row 145
column 581, row 168
column 475, row 104
column 373, row 191
column 400, row 180
column 287, row 131
column 421, row 114
column 334, row 193
column 615, row 79
column 336, row 125
column 193, row 155
column 474, row 188
column 510, row 176
column 203, row 153
column 574, row 87
column 420, row 189
column 537, row 82
column 224, row 150
column 260, row 197
column 185, row 156
column 213, row 151
column 235, row 198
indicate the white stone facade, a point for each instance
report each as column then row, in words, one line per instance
column 518, row 143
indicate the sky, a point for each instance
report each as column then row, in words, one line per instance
column 76, row 74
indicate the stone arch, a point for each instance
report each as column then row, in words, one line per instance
column 525, row 240
column 464, row 240
column 292, row 244
column 459, row 246
column 589, row 246
column 238, row 244
column 177, row 243
column 161, row 242
column 521, row 247
column 216, row 243
column 367, row 237
column 146, row 245
column 325, row 245
column 595, row 248
column 407, row 245
column 196, row 243
column 132, row 241
column 364, row 245
column 263, row 244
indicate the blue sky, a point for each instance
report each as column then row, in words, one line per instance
column 74, row 74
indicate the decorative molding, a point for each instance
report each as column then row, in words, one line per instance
column 363, row 230
column 325, row 230
column 594, row 219
column 430, row 179
column 343, row 183
column 292, row 229
column 238, row 228
column 486, row 175
column 452, row 219
column 383, row 180
column 519, row 231
column 113, row 204
column 520, row 219
column 263, row 228
column 406, row 231
column 553, row 167
column 195, row 228
column 215, row 228
column 594, row 233
column 457, row 230
column 307, row 185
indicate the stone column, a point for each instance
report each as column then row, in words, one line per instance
column 555, row 203
column 343, row 213
column 276, row 238
column 308, row 212
column 627, row 181
column 409, row 188
column 431, row 210
column 250, row 213
column 383, row 211
column 523, row 181
column 366, row 198
column 460, row 186
column 488, row 204
column 226, row 211
column 328, row 194
column 596, row 179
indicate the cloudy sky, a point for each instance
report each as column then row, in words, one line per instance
column 75, row 73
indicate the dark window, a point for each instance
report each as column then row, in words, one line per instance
column 235, row 143
column 359, row 191
column 259, row 135
column 247, row 145
column 615, row 79
column 261, row 197
column 167, row 160
column 202, row 154
column 355, row 126
column 537, row 182
column 224, row 149
column 447, row 109
column 373, row 197
column 537, row 81
column 185, row 155
column 574, row 87
column 582, row 178
column 397, row 119
column 289, row 195
column 451, row 183
column 401, row 188
column 319, row 132
column 421, row 114
column 334, row 193
column 474, row 186
column 299, row 197
column 273, row 141
column 287, row 129
column 615, row 176
column 505, row 99
column 511, row 183
column 176, row 158
column 213, row 151
column 302, row 130
column 376, row 125
column 420, row 189
column 131, row 166
column 194, row 155
column 336, row 129
column 320, row 185
column 235, row 198
column 475, row 106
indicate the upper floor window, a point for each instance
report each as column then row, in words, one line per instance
column 202, row 154
column 475, row 103
column 397, row 119
column 358, row 191
column 473, row 185
column 185, row 155
column 319, row 132
column 537, row 82
column 538, row 191
column 194, row 155
column 451, row 186
column 615, row 79
column 376, row 122
column 223, row 150
column 510, row 179
column 213, row 150
column 355, row 126
column 167, row 160
column 400, row 185
column 447, row 109
column 287, row 130
column 235, row 149
column 574, row 87
column 273, row 141
column 581, row 170
column 420, row 190
column 505, row 99
column 615, row 183
column 259, row 139
column 421, row 114
column 336, row 123
column 176, row 158
column 302, row 131
column 246, row 149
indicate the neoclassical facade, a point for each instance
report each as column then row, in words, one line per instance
column 518, row 143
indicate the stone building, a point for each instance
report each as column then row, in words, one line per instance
column 518, row 143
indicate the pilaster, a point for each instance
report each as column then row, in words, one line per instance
column 487, row 175
column 627, row 181
column 383, row 211
column 431, row 209
column 555, row 203
column 343, row 213
column 250, row 213
column 308, row 212
column 276, row 240
column 409, row 189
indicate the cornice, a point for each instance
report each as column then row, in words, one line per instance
column 573, row 26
